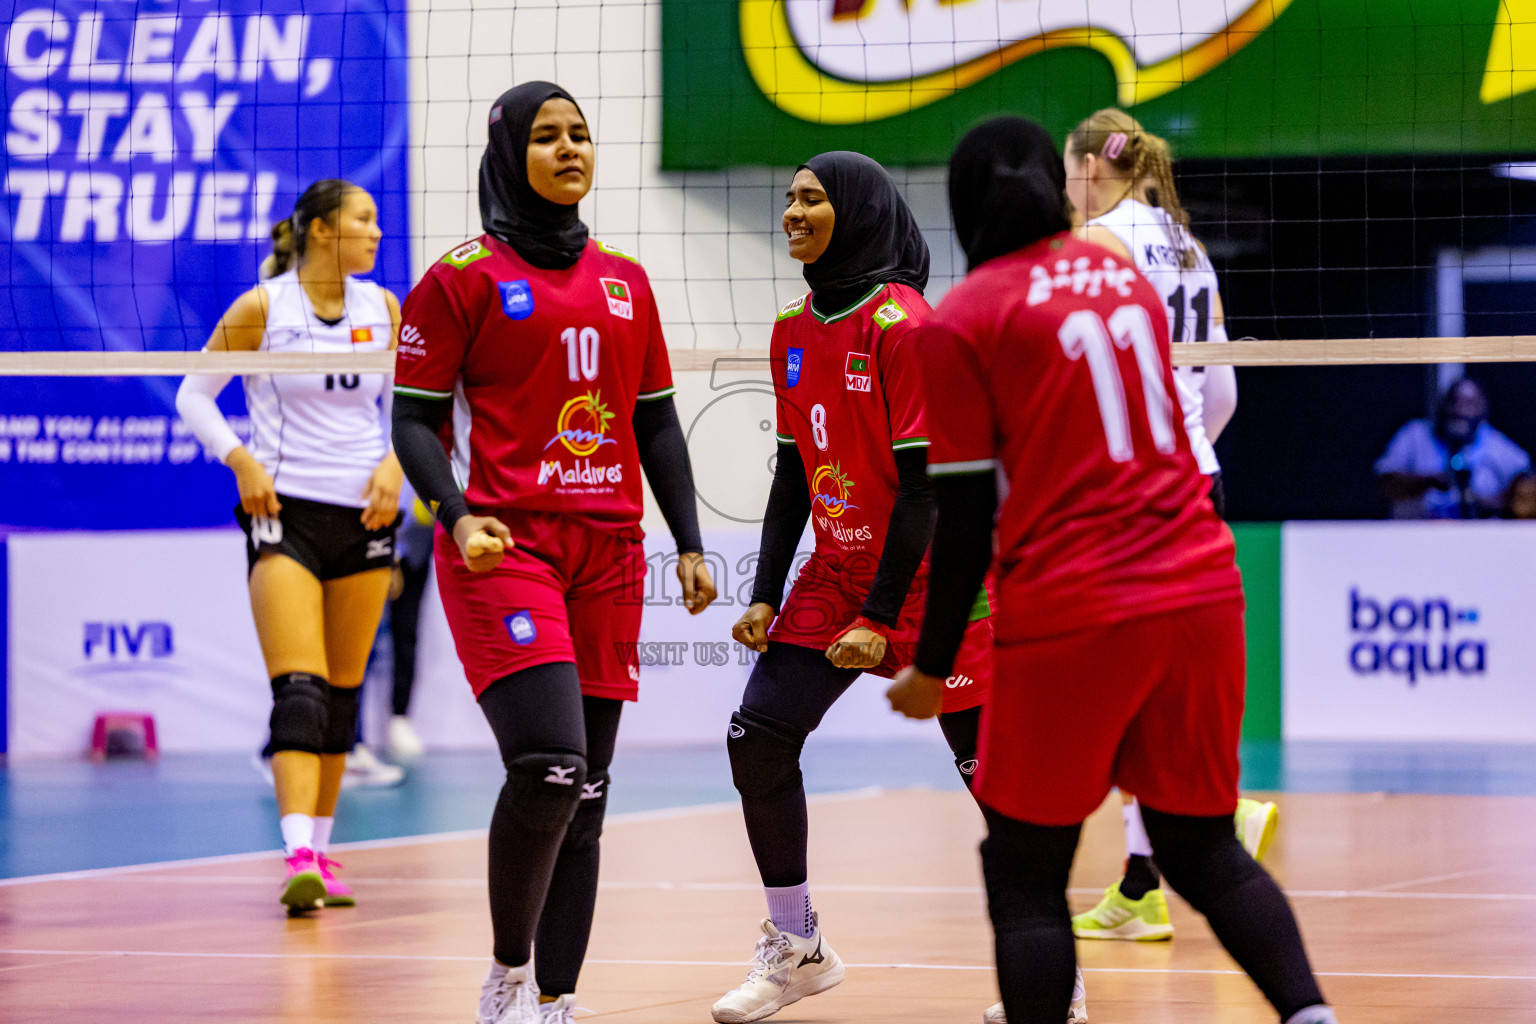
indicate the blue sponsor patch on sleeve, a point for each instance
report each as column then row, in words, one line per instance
column 520, row 627
column 516, row 299
column 792, row 366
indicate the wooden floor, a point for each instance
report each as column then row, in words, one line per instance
column 1416, row 909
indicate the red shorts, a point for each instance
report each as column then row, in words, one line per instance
column 821, row 607
column 567, row 591
column 1153, row 705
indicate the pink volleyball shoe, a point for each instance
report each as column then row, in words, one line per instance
column 304, row 888
column 337, row 892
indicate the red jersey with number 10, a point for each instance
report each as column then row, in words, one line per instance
column 1052, row 363
column 849, row 393
column 544, row 368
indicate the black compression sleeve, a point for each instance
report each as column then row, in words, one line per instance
column 421, row 454
column 962, row 550
column 906, row 538
column 664, row 457
column 789, row 506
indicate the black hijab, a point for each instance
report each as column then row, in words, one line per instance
column 1007, row 188
column 548, row 235
column 875, row 239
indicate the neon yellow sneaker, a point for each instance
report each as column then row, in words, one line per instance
column 1143, row 920
column 1256, row 826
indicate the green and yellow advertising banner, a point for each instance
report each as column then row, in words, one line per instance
column 775, row 81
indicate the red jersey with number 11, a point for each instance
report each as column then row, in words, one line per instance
column 849, row 394
column 544, row 368
column 1052, row 363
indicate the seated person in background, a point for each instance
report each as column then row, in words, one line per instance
column 1457, row 467
column 1520, row 499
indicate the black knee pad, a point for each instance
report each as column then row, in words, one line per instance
column 765, row 754
column 299, row 705
column 545, row 787
column 586, row 826
column 340, row 719
column 1026, row 868
column 1200, row 857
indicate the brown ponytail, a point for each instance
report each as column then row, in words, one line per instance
column 290, row 237
column 1119, row 140
column 282, row 249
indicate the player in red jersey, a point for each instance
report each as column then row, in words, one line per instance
column 532, row 387
column 1119, row 600
column 851, row 458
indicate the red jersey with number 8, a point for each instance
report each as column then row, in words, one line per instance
column 544, row 368
column 1052, row 364
column 849, row 394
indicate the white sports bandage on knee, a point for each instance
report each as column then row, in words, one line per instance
column 197, row 402
column 1136, row 842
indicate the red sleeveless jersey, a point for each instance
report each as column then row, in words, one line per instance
column 849, row 393
column 544, row 368
column 1052, row 364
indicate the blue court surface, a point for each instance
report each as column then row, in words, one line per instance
column 72, row 815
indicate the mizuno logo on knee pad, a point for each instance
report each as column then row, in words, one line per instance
column 560, row 776
column 592, row 790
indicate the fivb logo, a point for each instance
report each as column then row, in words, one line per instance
column 855, row 61
column 1413, row 638
column 113, row 640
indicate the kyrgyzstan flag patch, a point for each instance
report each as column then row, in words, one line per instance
column 362, row 335
column 617, row 292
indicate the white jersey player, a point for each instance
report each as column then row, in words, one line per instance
column 1120, row 182
column 319, row 494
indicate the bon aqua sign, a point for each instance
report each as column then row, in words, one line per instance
column 774, row 81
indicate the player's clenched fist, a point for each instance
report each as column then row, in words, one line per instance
column 860, row 646
column 482, row 541
column 916, row 694
column 751, row 630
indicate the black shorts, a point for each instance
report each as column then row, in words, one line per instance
column 328, row 540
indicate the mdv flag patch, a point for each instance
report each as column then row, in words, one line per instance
column 617, row 292
column 516, row 299
column 857, row 371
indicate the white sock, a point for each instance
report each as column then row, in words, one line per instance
column 1136, row 841
column 298, row 833
column 1318, row 1014
column 789, row 907
column 499, row 970
column 323, row 834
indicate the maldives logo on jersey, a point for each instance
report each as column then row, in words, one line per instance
column 520, row 627
column 582, row 424
column 830, row 489
column 792, row 366
column 618, row 297
column 857, row 371
column 516, row 299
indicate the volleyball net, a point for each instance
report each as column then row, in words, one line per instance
column 1360, row 177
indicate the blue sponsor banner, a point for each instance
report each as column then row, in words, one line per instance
column 148, row 148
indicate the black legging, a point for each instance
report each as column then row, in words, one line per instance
column 404, row 619
column 543, row 880
column 1026, row 868
column 790, row 690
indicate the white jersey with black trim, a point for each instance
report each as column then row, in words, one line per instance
column 1189, row 296
column 320, row 436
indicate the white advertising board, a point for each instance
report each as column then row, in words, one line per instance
column 154, row 621
column 1410, row 631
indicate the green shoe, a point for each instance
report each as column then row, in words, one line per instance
column 1256, row 823
column 1143, row 920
